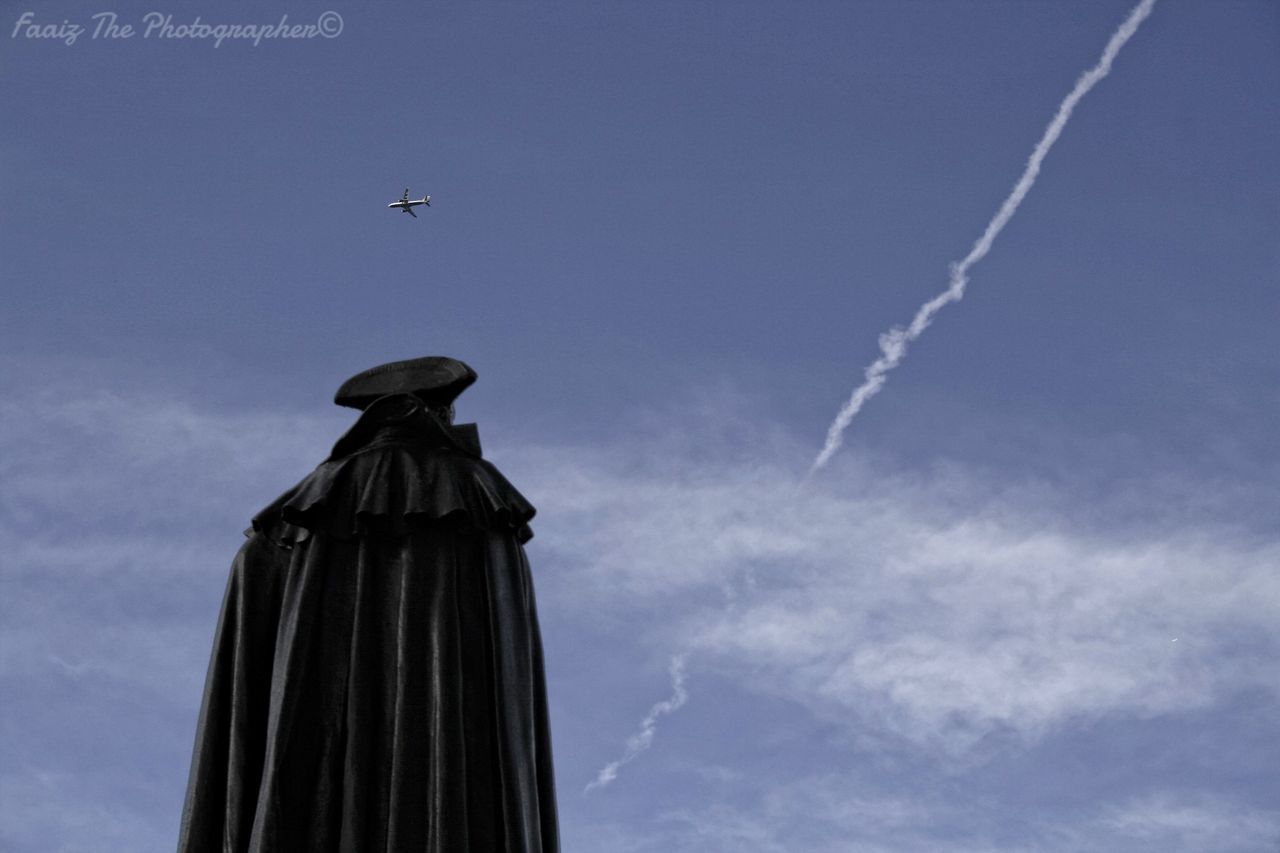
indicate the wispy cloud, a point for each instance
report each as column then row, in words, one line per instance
column 115, row 508
column 643, row 739
column 934, row 618
column 58, row 812
column 832, row 813
column 894, row 343
column 119, row 515
column 1165, row 821
column 933, row 612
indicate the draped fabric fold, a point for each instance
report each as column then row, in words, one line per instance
column 389, row 488
column 376, row 682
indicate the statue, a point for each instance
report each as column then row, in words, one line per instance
column 376, row 682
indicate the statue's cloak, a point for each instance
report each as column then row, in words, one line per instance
column 377, row 681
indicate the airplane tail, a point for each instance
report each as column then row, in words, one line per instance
column 426, row 199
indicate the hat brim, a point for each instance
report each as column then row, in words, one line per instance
column 438, row 379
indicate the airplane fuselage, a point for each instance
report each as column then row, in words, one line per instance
column 407, row 204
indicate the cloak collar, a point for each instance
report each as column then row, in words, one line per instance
column 405, row 417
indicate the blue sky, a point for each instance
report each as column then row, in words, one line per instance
column 1029, row 606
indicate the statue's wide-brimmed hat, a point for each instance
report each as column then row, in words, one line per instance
column 436, row 378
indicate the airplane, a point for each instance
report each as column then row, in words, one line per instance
column 407, row 204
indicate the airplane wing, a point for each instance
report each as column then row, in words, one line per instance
column 409, row 210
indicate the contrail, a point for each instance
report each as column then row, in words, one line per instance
column 643, row 739
column 893, row 343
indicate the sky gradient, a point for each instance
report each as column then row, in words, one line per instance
column 1030, row 605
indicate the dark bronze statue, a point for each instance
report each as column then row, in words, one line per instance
column 376, row 681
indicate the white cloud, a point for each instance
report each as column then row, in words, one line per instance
column 936, row 616
column 114, row 508
column 642, row 740
column 55, row 812
column 894, row 343
column 836, row 813
column 939, row 611
column 86, row 456
column 1165, row 821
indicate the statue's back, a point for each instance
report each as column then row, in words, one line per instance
column 376, row 680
